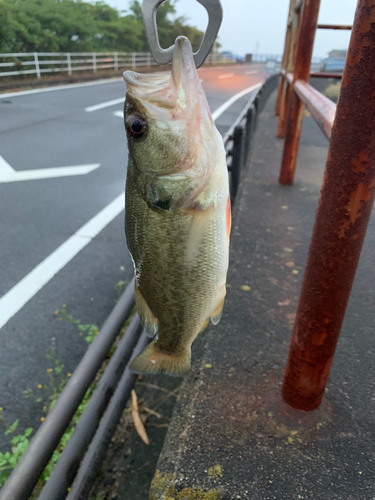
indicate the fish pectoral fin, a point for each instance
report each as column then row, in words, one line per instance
column 157, row 197
column 153, row 360
column 216, row 314
column 148, row 320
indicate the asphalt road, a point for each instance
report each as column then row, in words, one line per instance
column 46, row 130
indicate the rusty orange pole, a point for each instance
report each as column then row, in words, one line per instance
column 294, row 22
column 280, row 93
column 303, row 53
column 284, row 105
column 340, row 226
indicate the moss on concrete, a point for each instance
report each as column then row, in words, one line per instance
column 163, row 488
column 215, row 472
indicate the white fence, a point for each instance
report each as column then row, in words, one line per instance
column 38, row 63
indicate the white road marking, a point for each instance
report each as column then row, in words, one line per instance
column 119, row 113
column 253, row 72
column 226, row 75
column 220, row 110
column 25, row 289
column 8, row 174
column 95, row 107
column 60, row 87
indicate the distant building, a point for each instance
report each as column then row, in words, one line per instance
column 226, row 54
column 229, row 56
column 337, row 54
column 335, row 61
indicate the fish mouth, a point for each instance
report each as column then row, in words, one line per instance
column 180, row 90
column 155, row 89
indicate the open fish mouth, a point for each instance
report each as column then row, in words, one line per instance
column 180, row 90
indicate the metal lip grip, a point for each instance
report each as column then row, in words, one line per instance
column 164, row 56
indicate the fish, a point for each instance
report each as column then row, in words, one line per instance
column 177, row 210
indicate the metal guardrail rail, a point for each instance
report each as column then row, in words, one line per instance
column 238, row 140
column 39, row 63
column 78, row 465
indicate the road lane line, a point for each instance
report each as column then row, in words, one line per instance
column 226, row 75
column 60, row 87
column 220, row 110
column 8, row 174
column 119, row 113
column 25, row 289
column 106, row 104
column 253, row 72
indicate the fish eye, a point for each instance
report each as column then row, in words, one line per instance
column 136, row 126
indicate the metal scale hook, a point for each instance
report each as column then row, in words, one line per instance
column 164, row 56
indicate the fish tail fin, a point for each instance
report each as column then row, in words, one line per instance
column 153, row 360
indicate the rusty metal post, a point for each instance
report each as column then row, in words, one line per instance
column 294, row 23
column 280, row 93
column 284, row 105
column 303, row 53
column 340, row 226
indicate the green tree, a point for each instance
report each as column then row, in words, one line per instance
column 79, row 26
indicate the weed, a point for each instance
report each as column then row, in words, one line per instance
column 19, row 442
column 90, row 330
column 49, row 393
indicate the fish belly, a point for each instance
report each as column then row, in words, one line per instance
column 180, row 260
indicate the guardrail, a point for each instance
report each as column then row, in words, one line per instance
column 39, row 63
column 347, row 193
column 238, row 140
column 79, row 463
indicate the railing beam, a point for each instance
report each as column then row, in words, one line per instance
column 343, row 213
column 334, row 26
column 336, row 76
column 303, row 53
column 322, row 109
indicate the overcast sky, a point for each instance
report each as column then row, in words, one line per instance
column 251, row 23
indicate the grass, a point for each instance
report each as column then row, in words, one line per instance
column 48, row 394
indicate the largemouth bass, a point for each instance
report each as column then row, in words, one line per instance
column 178, row 214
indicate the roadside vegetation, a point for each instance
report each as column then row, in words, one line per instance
column 47, row 394
column 79, row 26
column 333, row 91
column 153, row 412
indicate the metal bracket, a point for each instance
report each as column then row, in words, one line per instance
column 164, row 56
